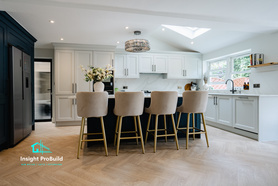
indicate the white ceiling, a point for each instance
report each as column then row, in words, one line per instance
column 103, row 21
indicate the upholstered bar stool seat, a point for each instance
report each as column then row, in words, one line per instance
column 128, row 104
column 162, row 103
column 92, row 104
column 194, row 102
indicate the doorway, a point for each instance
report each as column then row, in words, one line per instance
column 43, row 89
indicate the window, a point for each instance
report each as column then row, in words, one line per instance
column 217, row 74
column 233, row 67
column 240, row 71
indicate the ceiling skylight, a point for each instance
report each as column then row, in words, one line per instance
column 190, row 32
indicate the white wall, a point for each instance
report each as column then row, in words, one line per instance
column 265, row 76
column 151, row 82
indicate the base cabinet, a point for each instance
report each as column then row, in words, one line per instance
column 219, row 109
column 246, row 113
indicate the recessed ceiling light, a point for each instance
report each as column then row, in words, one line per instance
column 118, row 42
column 163, row 29
column 192, row 42
column 62, row 39
column 51, row 21
column 126, row 27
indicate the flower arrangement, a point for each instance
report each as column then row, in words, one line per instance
column 96, row 73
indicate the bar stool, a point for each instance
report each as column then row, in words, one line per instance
column 128, row 104
column 92, row 104
column 162, row 103
column 194, row 102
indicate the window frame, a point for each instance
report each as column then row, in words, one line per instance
column 230, row 66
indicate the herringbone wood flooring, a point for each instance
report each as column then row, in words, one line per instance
column 230, row 160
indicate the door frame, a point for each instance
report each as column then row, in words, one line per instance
column 51, row 99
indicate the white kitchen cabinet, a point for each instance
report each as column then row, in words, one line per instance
column 246, row 113
column 192, row 67
column 82, row 58
column 184, row 67
column 126, row 66
column 64, row 72
column 220, row 110
column 102, row 59
column 152, row 64
column 69, row 77
column 65, row 109
column 175, row 67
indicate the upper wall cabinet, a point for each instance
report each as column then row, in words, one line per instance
column 126, row 66
column 152, row 64
column 101, row 59
column 184, row 67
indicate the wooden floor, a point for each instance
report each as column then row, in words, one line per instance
column 230, row 160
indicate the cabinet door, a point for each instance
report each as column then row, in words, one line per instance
column 102, row 59
column 120, row 66
column 4, row 100
column 146, row 64
column 160, row 64
column 193, row 68
column 211, row 109
column 224, row 110
column 132, row 66
column 65, row 108
column 246, row 113
column 82, row 58
column 64, row 72
column 175, row 65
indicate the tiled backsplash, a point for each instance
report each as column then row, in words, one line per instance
column 151, row 82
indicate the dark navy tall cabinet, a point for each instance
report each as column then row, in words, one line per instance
column 11, row 34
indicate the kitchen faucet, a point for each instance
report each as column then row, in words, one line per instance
column 233, row 88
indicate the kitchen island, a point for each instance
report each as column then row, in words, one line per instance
column 93, row 124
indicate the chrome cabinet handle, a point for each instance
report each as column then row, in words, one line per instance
column 184, row 72
column 127, row 71
column 72, row 87
column 213, row 100
column 72, row 101
column 75, row 87
column 216, row 100
column 155, row 68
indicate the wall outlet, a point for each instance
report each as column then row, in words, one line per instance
column 179, row 87
column 125, row 87
column 256, row 85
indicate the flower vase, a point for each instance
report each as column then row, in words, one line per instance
column 206, row 87
column 98, row 86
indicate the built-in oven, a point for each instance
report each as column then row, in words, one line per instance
column 109, row 85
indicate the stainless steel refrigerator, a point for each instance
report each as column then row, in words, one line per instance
column 20, row 89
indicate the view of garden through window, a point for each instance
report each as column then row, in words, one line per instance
column 235, row 68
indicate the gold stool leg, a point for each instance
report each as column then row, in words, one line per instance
column 135, row 126
column 104, row 136
column 80, row 136
column 148, row 126
column 155, row 133
column 193, row 125
column 116, row 130
column 175, row 131
column 141, row 136
column 165, row 127
column 205, row 129
column 187, row 129
column 119, row 135
column 178, row 124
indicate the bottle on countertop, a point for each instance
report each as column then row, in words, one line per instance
column 244, row 86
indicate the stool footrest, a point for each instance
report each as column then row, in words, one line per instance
column 88, row 134
column 157, row 130
column 134, row 137
column 93, row 140
column 163, row 135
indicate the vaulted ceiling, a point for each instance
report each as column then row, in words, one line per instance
column 103, row 22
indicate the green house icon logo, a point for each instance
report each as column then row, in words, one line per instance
column 40, row 148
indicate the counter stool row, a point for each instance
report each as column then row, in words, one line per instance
column 95, row 104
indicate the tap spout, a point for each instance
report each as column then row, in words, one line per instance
column 233, row 85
